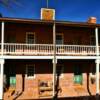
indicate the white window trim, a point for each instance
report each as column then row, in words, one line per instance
column 30, row 77
column 27, row 36
column 62, row 74
column 62, row 37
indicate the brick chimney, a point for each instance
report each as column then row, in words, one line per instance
column 92, row 20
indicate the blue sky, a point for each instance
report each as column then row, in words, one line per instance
column 69, row 10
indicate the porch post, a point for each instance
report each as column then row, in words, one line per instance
column 1, row 78
column 97, row 41
column 54, row 76
column 54, row 59
column 2, row 38
column 97, row 77
column 97, row 62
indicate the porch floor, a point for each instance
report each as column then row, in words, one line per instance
column 75, row 92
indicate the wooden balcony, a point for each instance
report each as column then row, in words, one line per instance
column 47, row 50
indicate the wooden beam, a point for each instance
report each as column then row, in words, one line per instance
column 1, row 78
column 97, row 61
column 54, row 60
column 2, row 38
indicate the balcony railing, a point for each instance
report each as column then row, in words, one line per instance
column 47, row 49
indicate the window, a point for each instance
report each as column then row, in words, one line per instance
column 59, row 39
column 11, row 38
column 59, row 71
column 92, row 39
column 30, row 38
column 30, row 71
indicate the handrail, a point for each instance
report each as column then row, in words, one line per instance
column 47, row 49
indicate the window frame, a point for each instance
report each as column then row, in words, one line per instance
column 27, row 33
column 61, row 34
column 26, row 75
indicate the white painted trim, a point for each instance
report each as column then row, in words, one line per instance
column 49, row 57
column 2, row 38
column 77, row 57
column 97, row 61
column 33, row 33
column 1, row 77
column 53, row 61
column 97, row 76
column 30, row 77
column 26, row 57
column 97, row 41
column 2, row 61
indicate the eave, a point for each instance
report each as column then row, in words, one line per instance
column 49, row 22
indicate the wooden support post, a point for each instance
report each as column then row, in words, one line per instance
column 97, row 61
column 54, row 60
column 2, row 38
column 97, row 76
column 1, row 78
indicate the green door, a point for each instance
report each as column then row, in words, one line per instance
column 12, row 81
column 12, row 76
column 78, row 78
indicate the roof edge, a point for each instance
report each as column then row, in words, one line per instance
column 58, row 22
